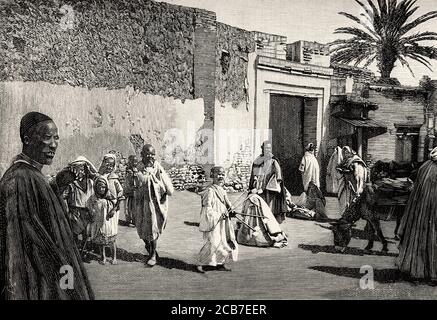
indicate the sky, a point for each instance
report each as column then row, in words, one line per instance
column 312, row 20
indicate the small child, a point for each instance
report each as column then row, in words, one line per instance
column 104, row 226
column 129, row 188
column 219, row 246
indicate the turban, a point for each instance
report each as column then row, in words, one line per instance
column 349, row 149
column 82, row 160
column 99, row 179
column 310, row 147
column 30, row 120
column 106, row 157
column 433, row 155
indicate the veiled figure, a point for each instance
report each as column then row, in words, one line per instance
column 266, row 180
column 418, row 228
column 353, row 172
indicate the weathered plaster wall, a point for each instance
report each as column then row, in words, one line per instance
column 94, row 122
column 234, row 46
column 395, row 106
column 234, row 131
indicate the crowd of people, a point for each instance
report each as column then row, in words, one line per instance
column 47, row 224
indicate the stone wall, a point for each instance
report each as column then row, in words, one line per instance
column 112, row 44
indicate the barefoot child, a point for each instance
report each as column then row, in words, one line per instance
column 219, row 246
column 104, row 226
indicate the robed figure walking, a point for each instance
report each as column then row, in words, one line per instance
column 418, row 228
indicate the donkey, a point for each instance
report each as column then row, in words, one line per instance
column 361, row 207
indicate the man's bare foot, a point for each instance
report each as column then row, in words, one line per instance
column 151, row 262
column 200, row 269
column 114, row 262
column 103, row 262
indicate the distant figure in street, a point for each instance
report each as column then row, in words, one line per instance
column 104, row 226
column 309, row 167
column 220, row 246
column 37, row 247
column 77, row 194
column 418, row 228
column 129, row 188
column 152, row 188
column 332, row 175
column 353, row 172
column 266, row 180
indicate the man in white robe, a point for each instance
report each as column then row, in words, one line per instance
column 309, row 167
column 220, row 246
column 150, row 207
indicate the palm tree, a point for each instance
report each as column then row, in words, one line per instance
column 386, row 35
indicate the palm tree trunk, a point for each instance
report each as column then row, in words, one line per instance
column 387, row 63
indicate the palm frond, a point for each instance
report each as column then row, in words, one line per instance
column 405, row 63
column 356, row 32
column 418, row 21
column 384, row 36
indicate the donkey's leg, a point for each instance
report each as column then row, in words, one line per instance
column 369, row 230
column 377, row 226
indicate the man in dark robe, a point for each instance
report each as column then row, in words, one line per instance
column 266, row 180
column 418, row 228
column 38, row 256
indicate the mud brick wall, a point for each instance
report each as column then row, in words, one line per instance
column 395, row 106
column 112, row 44
column 231, row 75
column 359, row 74
column 205, row 33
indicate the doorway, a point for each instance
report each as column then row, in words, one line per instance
column 286, row 124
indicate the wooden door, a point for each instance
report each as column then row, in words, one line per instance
column 286, row 124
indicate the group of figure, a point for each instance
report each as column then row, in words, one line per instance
column 44, row 222
column 94, row 199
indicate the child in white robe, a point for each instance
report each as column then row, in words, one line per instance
column 220, row 246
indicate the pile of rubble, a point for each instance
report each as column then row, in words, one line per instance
column 187, row 177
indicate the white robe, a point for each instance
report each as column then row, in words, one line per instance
column 217, row 232
column 310, row 170
column 333, row 177
column 101, row 229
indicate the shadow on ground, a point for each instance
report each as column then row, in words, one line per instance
column 124, row 255
column 191, row 224
column 381, row 276
column 348, row 250
column 171, row 263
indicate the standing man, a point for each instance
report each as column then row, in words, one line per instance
column 309, row 167
column 266, row 180
column 38, row 256
column 152, row 187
